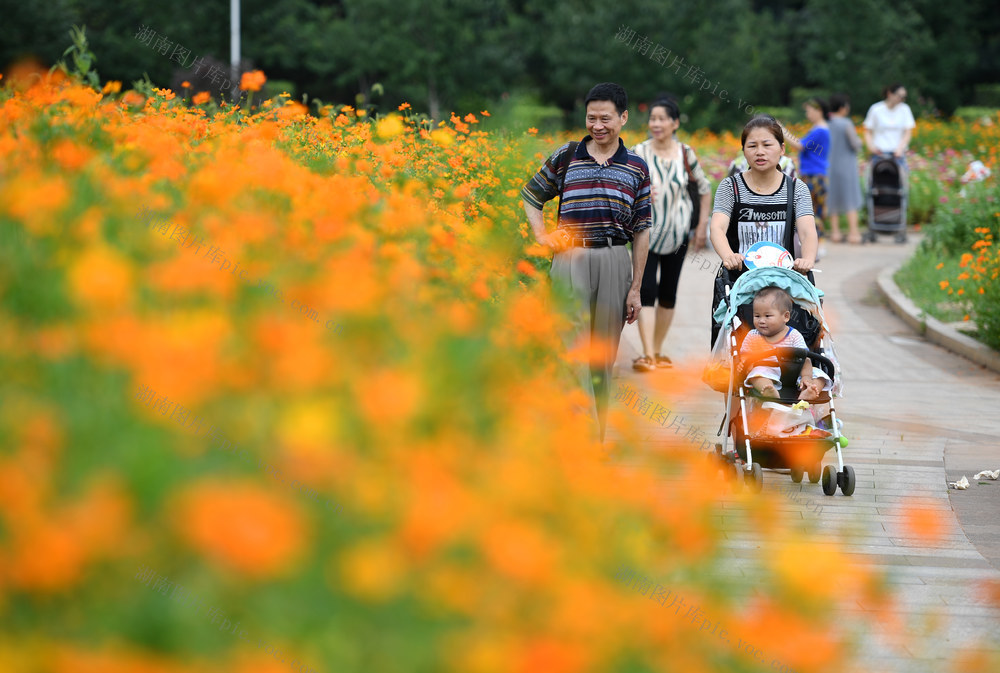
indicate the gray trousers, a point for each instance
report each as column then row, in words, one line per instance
column 598, row 280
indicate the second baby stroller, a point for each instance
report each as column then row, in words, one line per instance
column 887, row 198
column 769, row 432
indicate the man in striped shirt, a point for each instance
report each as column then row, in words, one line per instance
column 604, row 204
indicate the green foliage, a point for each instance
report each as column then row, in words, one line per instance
column 521, row 111
column 987, row 95
column 83, row 59
column 722, row 59
column 861, row 46
column 144, row 86
column 976, row 114
column 953, row 230
column 919, row 279
column 953, row 274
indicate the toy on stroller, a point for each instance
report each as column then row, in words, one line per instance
column 777, row 433
column 887, row 198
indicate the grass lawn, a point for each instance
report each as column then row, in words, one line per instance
column 919, row 279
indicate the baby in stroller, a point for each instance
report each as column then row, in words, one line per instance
column 772, row 308
column 780, row 380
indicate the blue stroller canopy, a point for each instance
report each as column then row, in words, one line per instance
column 746, row 286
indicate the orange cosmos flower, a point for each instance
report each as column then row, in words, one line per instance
column 526, row 268
column 252, row 81
column 201, row 97
column 241, row 525
column 112, row 87
column 46, row 558
column 186, row 84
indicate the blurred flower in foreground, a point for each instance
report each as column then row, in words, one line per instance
column 923, row 520
column 100, row 277
column 245, row 526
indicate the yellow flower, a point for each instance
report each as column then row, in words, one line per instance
column 443, row 137
column 389, row 127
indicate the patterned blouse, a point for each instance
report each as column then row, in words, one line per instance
column 671, row 204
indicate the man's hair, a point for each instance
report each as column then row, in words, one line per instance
column 838, row 101
column 608, row 91
column 781, row 299
column 763, row 121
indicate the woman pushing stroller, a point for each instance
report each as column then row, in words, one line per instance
column 754, row 206
column 751, row 207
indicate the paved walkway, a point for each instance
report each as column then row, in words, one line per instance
column 917, row 417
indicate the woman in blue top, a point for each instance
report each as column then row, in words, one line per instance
column 815, row 156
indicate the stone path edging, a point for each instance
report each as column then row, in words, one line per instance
column 933, row 329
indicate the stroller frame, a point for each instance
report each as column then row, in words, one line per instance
column 887, row 202
column 773, row 451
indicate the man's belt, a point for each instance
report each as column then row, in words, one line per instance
column 604, row 242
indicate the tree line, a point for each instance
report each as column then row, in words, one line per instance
column 466, row 55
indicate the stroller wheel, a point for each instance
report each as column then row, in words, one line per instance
column 815, row 472
column 755, row 478
column 738, row 478
column 797, row 474
column 829, row 480
column 901, row 238
column 847, row 480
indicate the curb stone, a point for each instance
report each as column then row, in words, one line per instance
column 933, row 329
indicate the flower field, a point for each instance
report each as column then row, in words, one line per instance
column 286, row 392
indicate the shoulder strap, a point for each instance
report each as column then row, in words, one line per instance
column 789, row 237
column 687, row 166
column 563, row 168
column 732, row 231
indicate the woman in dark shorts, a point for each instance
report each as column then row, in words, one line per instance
column 672, row 165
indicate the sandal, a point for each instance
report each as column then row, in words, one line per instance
column 643, row 364
column 854, row 239
column 662, row 361
column 836, row 237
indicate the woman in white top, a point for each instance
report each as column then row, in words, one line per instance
column 672, row 165
column 889, row 124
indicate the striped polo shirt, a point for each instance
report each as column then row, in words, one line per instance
column 598, row 200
